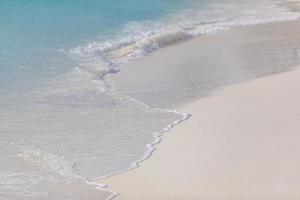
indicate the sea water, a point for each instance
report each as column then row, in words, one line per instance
column 62, row 125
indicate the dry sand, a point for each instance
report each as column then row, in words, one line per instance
column 242, row 143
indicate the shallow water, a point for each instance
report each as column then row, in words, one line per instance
column 62, row 125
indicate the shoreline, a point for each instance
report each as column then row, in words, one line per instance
column 112, row 183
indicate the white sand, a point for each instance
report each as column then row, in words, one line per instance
column 242, row 143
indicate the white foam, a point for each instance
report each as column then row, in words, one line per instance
column 157, row 137
column 59, row 165
column 48, row 161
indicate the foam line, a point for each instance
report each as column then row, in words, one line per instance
column 150, row 147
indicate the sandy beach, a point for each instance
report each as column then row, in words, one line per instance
column 241, row 142
column 150, row 100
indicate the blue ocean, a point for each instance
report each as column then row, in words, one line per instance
column 62, row 124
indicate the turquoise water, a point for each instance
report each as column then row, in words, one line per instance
column 34, row 33
column 61, row 124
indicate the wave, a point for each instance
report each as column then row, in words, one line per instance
column 138, row 39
